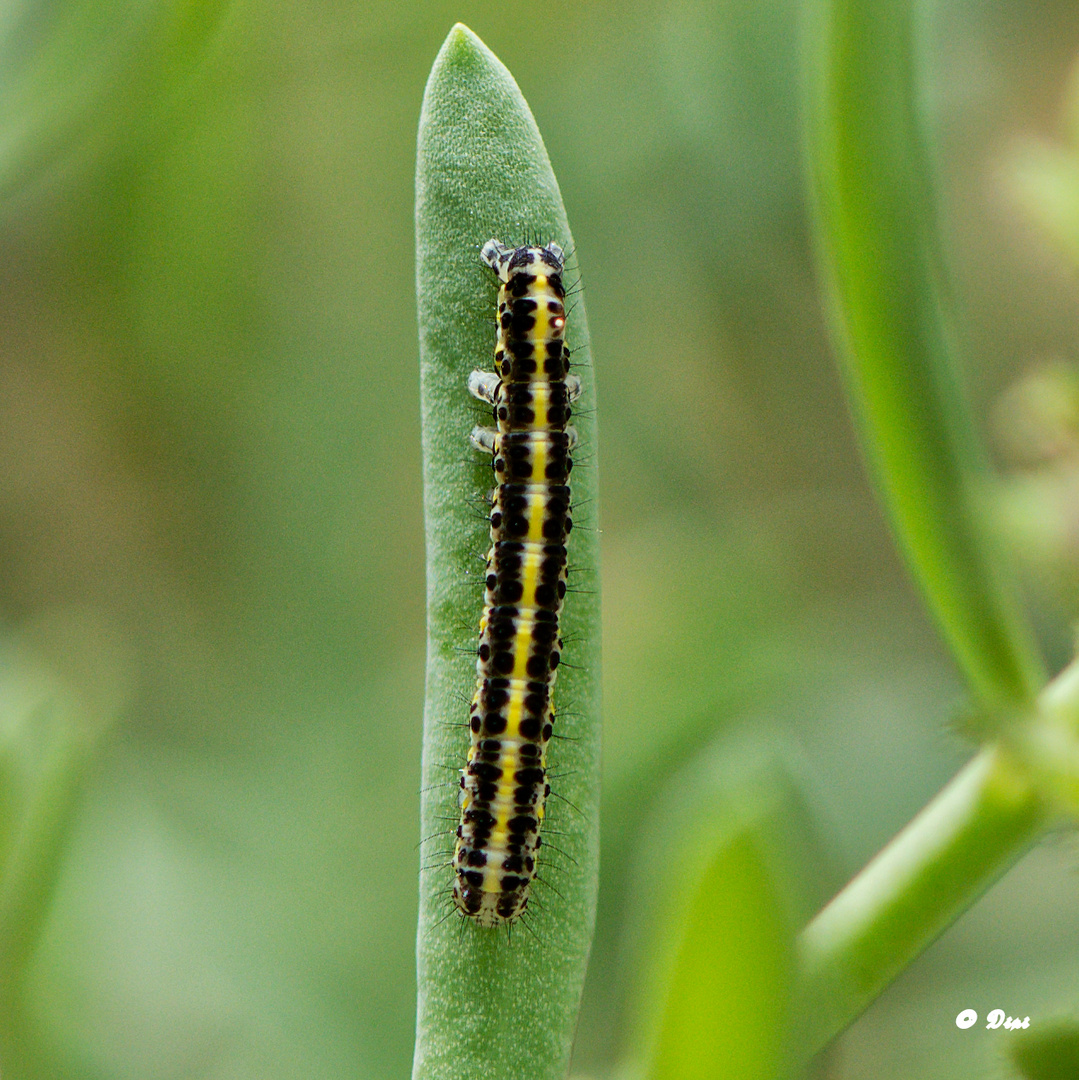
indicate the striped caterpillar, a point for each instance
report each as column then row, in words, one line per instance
column 504, row 785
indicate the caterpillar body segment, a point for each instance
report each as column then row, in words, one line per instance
column 504, row 784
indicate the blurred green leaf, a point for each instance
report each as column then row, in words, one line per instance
column 726, row 992
column 879, row 254
column 46, row 744
column 1049, row 1052
column 492, row 1003
column 74, row 75
column 713, row 940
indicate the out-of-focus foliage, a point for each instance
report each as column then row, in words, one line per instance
column 46, row 742
column 1037, row 422
column 78, row 77
column 710, row 937
column 1042, row 175
column 209, row 448
column 1050, row 1054
column 1037, row 417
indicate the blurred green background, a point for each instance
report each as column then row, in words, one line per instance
column 211, row 527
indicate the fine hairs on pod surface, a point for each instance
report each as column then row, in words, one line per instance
column 500, row 999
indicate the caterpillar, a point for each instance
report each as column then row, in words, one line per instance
column 504, row 784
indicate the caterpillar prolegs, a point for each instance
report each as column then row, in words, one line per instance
column 504, row 785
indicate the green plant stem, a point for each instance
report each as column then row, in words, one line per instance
column 976, row 828
column 879, row 255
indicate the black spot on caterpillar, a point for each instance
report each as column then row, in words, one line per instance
column 504, row 784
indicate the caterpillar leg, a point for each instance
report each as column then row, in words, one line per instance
column 496, row 255
column 573, row 387
column 571, row 435
column 484, row 385
column 483, row 438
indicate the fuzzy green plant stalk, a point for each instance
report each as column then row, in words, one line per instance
column 494, row 1002
column 879, row 253
column 880, row 259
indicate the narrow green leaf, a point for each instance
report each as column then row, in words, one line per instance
column 879, row 254
column 492, row 1003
